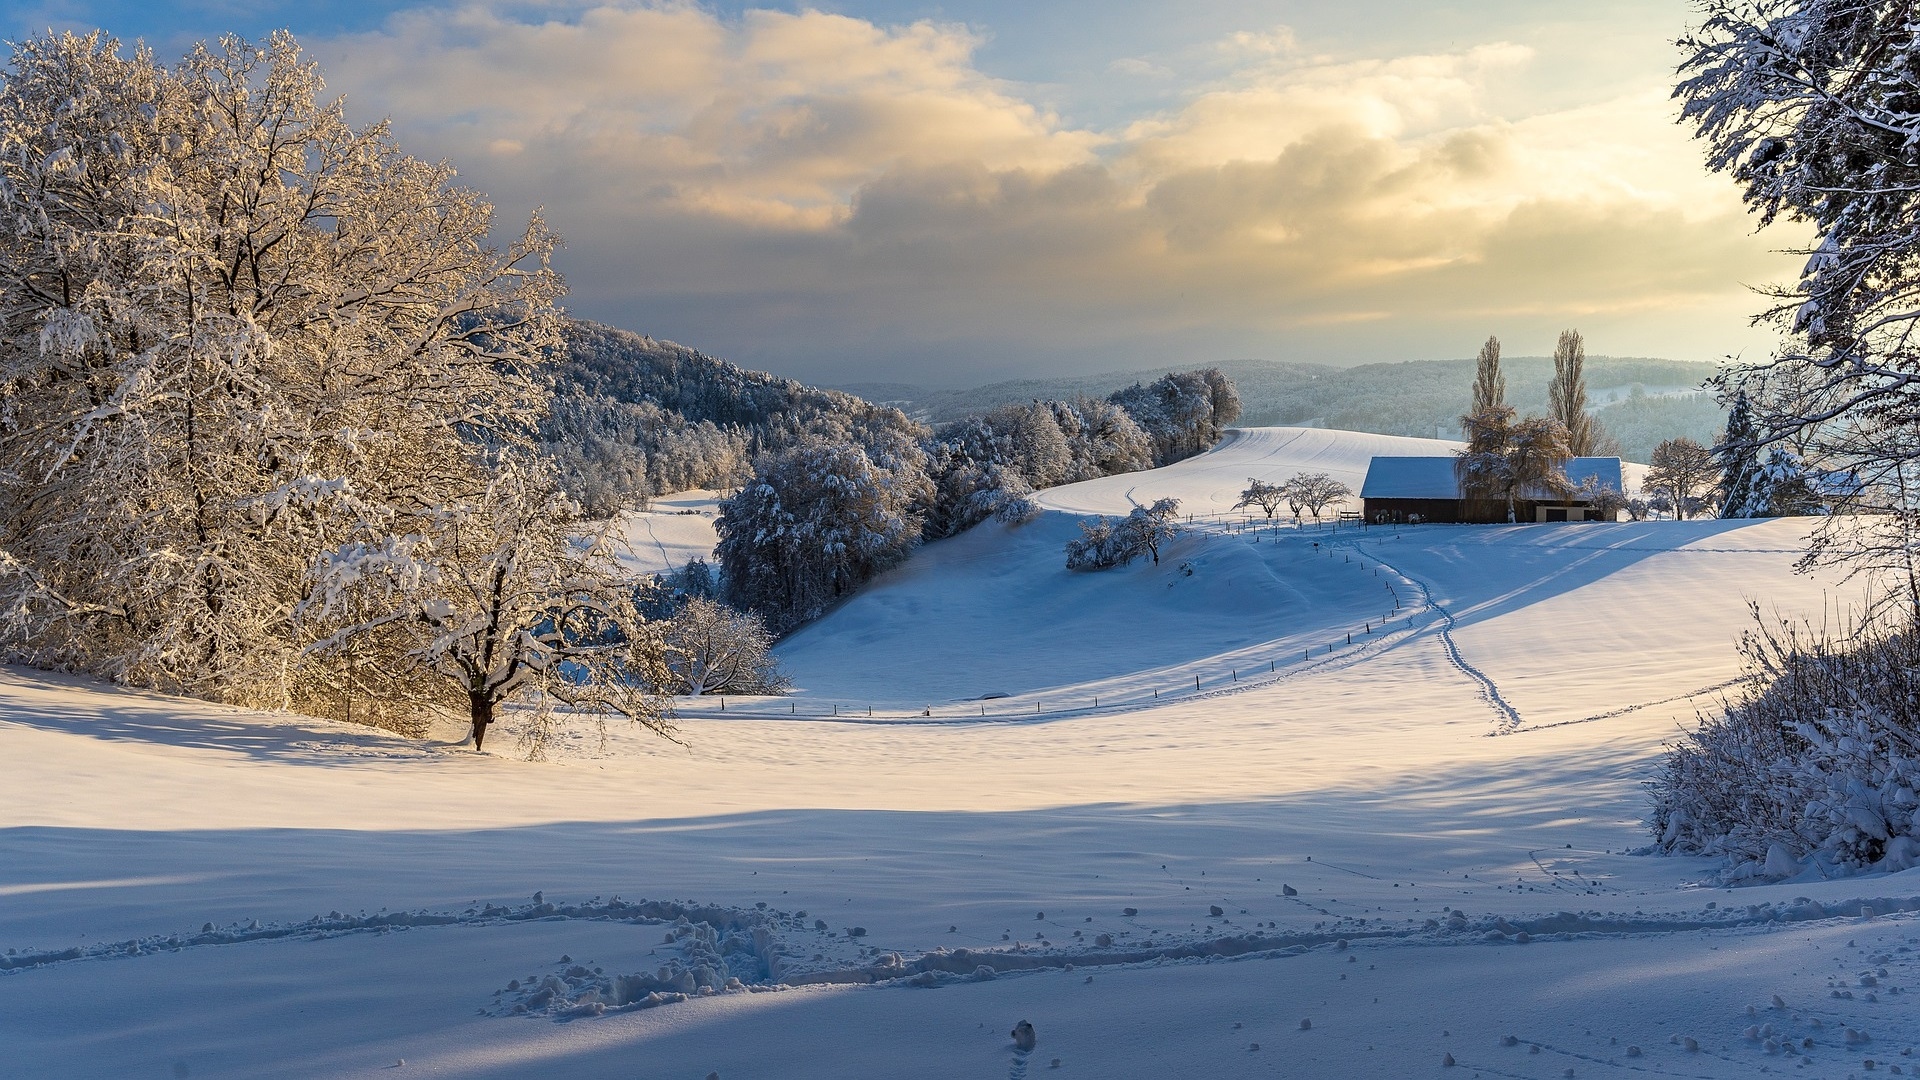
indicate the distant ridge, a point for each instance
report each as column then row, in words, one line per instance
column 1422, row 398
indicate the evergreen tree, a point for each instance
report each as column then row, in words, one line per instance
column 1743, row 490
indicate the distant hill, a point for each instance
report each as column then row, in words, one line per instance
column 1418, row 397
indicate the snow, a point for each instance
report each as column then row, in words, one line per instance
column 672, row 531
column 1483, row 761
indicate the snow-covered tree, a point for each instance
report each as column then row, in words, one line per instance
column 1260, row 493
column 1150, row 527
column 1314, row 493
column 1103, row 544
column 499, row 598
column 1809, row 106
column 1682, row 471
column 1741, row 489
column 1184, row 412
column 1504, row 458
column 815, row 523
column 236, row 333
column 713, row 649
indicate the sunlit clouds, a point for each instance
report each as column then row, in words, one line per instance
column 843, row 199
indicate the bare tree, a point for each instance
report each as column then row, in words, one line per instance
column 1316, row 491
column 1683, row 471
column 1489, row 384
column 1267, row 497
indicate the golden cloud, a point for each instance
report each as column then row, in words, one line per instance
column 860, row 187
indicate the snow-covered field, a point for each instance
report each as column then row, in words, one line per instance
column 1417, row 843
column 671, row 531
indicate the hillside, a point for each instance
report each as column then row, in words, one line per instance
column 1416, row 845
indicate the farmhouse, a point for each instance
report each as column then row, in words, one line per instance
column 1426, row 489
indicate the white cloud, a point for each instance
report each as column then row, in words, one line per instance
column 792, row 187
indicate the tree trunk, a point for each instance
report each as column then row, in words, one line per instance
column 481, row 707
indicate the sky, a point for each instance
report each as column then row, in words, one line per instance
column 951, row 194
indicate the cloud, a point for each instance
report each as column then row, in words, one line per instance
column 845, row 199
column 1136, row 66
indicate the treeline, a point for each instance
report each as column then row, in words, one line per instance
column 824, row 515
column 634, row 417
column 1421, row 398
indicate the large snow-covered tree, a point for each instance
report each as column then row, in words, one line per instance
column 236, row 332
column 501, row 599
column 1505, row 458
column 1810, row 106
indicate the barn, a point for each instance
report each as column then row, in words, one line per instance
column 1426, row 489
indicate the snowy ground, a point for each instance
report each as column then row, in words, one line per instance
column 671, row 531
column 1451, row 796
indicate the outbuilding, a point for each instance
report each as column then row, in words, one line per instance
column 1427, row 489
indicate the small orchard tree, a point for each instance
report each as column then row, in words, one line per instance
column 1314, row 492
column 1606, row 500
column 1682, row 471
column 1268, row 497
column 500, row 600
column 713, row 649
column 1150, row 527
column 1103, row 544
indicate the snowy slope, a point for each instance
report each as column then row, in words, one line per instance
column 1481, row 759
column 673, row 530
column 1211, row 483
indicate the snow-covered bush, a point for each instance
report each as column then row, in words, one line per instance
column 1104, row 544
column 1815, row 761
column 815, row 523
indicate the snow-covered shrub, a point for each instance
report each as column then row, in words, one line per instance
column 1103, row 544
column 1817, row 760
